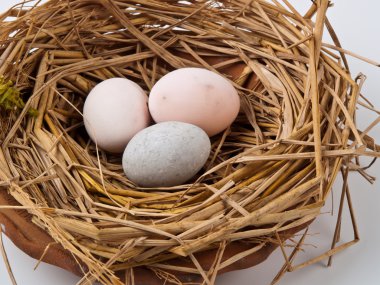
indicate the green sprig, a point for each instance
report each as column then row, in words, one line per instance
column 10, row 98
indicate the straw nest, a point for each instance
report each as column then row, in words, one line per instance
column 270, row 172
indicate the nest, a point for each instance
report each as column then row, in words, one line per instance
column 267, row 177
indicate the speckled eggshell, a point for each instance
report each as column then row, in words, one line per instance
column 114, row 111
column 196, row 96
column 166, row 154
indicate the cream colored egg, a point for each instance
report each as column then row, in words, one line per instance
column 196, row 96
column 114, row 111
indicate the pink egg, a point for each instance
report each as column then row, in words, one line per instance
column 196, row 96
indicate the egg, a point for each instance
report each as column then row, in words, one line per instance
column 114, row 111
column 196, row 96
column 166, row 154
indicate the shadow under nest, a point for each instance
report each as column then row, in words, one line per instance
column 267, row 176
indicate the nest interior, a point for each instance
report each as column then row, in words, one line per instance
column 268, row 174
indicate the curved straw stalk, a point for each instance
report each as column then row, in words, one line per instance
column 268, row 173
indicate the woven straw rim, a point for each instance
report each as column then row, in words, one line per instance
column 271, row 171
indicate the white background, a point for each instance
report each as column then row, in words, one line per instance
column 357, row 27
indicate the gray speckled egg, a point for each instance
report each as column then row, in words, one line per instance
column 166, row 154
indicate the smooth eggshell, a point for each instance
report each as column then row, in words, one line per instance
column 166, row 154
column 196, row 96
column 114, row 111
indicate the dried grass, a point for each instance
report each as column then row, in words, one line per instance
column 273, row 169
